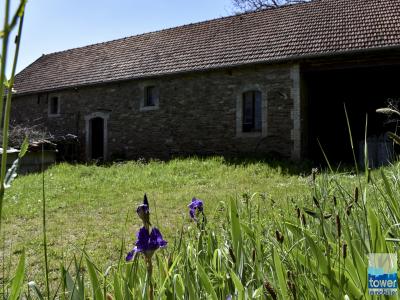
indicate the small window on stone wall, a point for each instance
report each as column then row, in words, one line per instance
column 251, row 120
column 54, row 106
column 151, row 96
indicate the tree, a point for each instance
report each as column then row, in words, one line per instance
column 253, row 5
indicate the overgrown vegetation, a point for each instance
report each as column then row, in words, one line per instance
column 268, row 231
column 97, row 205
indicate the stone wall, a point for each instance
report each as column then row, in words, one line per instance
column 197, row 113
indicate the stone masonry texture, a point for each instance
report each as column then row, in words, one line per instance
column 196, row 114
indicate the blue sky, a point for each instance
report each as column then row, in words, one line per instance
column 54, row 25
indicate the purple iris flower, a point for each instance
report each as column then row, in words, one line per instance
column 196, row 204
column 147, row 243
column 143, row 211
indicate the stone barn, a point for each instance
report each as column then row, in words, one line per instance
column 273, row 81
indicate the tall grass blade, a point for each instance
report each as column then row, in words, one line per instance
column 378, row 243
column 205, row 280
column 236, row 234
column 12, row 172
column 366, row 158
column 24, row 148
column 169, row 273
column 394, row 137
column 32, row 285
column 7, row 28
column 44, row 228
column 94, row 280
column 387, row 111
column 360, row 266
column 394, row 204
column 179, row 287
column 238, row 285
column 317, row 292
column 257, row 294
column 7, row 109
column 70, row 286
column 79, row 278
column 118, row 287
column 280, row 274
column 351, row 138
column 18, row 280
column 357, row 260
column 325, row 156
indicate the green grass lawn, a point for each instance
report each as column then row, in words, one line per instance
column 96, row 205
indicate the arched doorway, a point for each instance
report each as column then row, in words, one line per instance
column 96, row 136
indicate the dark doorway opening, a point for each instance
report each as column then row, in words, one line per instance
column 97, row 138
column 362, row 90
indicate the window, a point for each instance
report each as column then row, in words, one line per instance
column 151, row 96
column 150, row 99
column 54, row 106
column 251, row 115
column 251, row 121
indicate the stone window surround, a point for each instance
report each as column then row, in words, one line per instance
column 105, row 116
column 49, row 114
column 296, row 113
column 143, row 87
column 239, row 112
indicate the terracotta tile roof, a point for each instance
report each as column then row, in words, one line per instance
column 291, row 32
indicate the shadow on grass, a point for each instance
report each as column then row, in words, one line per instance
column 286, row 166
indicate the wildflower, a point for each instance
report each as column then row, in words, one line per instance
column 143, row 212
column 338, row 226
column 195, row 207
column 229, row 297
column 232, row 255
column 268, row 286
column 356, row 195
column 344, row 250
column 147, row 243
column 291, row 284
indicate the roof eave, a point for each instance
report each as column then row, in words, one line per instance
column 278, row 60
